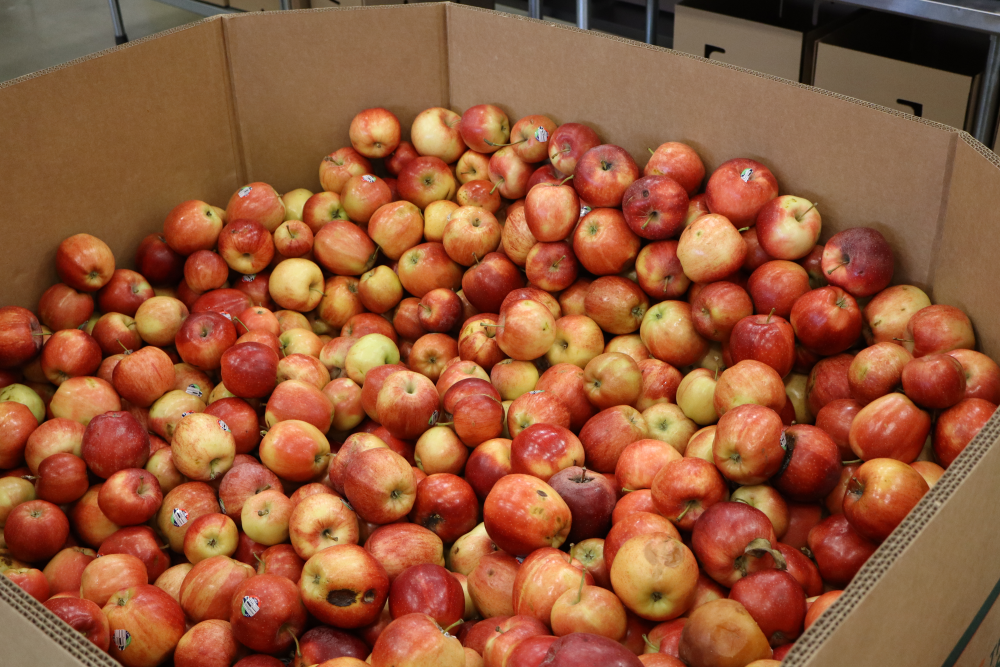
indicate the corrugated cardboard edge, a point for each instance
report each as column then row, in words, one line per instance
column 85, row 652
column 71, row 641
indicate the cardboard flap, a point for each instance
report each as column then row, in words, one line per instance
column 964, row 270
column 109, row 144
column 300, row 77
column 838, row 152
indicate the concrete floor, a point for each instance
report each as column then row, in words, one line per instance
column 35, row 34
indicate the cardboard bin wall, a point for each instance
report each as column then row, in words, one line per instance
column 111, row 143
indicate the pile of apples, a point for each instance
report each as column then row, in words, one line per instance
column 514, row 404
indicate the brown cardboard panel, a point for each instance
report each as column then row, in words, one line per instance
column 109, row 145
column 984, row 643
column 697, row 30
column 970, row 244
column 299, row 78
column 266, row 5
column 944, row 96
column 32, row 636
column 831, row 150
column 911, row 602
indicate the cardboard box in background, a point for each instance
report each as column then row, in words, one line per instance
column 928, row 70
column 265, row 5
column 771, row 36
column 217, row 3
column 325, row 4
column 210, row 102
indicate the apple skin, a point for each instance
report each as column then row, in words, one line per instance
column 249, row 369
column 192, row 498
column 982, row 375
column 427, row 266
column 19, row 343
column 526, row 329
column 416, row 639
column 876, row 371
column 603, row 174
column 889, row 311
column 859, row 260
column 512, row 522
column 728, row 194
column 141, row 542
column 153, row 620
column 749, row 447
column 484, row 128
column 344, row 586
column 718, row 308
column 721, row 536
column 31, row 581
column 659, row 271
column 158, row 262
column 612, row 379
column 190, row 226
column 655, row 207
column 608, row 433
column 776, row 602
column 788, row 227
column 70, row 353
column 678, row 161
column 344, row 249
column 777, row 285
column 829, row 380
column 934, row 381
column 62, row 307
column 749, row 381
column 380, row 485
column 280, row 616
column 839, row 550
column 591, row 499
column 616, row 304
column 209, row 586
column 699, row 644
column 958, row 425
column 258, row 202
column 635, row 524
column 84, row 262
column 130, row 497
column 486, row 283
column 374, row 133
column 584, row 648
column 407, row 402
column 321, row 644
column 604, row 244
column 890, row 426
column 826, row 321
column 568, row 144
column 63, row 571
column 938, row 329
column 447, row 505
column 879, row 496
column 436, row 132
column 427, row 589
column 83, row 616
column 710, row 249
column 813, row 467
column 143, row 376
column 210, row 643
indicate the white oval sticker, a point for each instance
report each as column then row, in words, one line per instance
column 194, row 390
column 541, row 135
column 368, row 178
column 178, row 517
column 244, row 191
column 250, row 606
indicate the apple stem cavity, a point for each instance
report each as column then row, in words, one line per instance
column 761, row 546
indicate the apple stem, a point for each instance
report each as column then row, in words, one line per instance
column 651, row 152
column 624, row 490
column 496, row 185
column 681, row 515
column 903, row 340
column 555, row 264
column 742, row 229
column 760, row 546
column 298, row 649
column 263, row 432
column 458, row 622
column 238, row 321
column 425, row 306
column 798, row 218
column 498, row 630
column 655, row 647
column 127, row 351
column 563, row 181
column 475, row 257
column 851, row 462
column 579, row 591
column 259, row 560
column 491, row 326
column 835, row 268
column 717, row 374
column 444, row 424
column 769, row 316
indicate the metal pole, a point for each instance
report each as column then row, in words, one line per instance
column 652, row 20
column 286, row 4
column 116, row 21
column 986, row 109
column 535, row 8
column 583, row 14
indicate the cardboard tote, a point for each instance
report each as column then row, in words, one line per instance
column 109, row 144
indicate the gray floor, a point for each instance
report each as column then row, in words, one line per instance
column 35, row 34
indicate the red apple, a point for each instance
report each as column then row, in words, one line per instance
column 568, row 144
column 982, row 375
column 130, row 497
column 876, row 371
column 880, row 495
column 859, row 260
column 739, row 189
column 678, row 161
column 380, row 485
column 83, row 616
column 659, row 271
column 110, row 573
column 718, row 308
column 267, row 613
column 258, row 202
column 765, row 338
column 84, row 262
column 374, row 132
column 776, row 285
column 958, row 425
column 190, row 226
column 603, row 174
column 826, row 320
column 114, row 441
column 604, row 243
column 141, row 542
column 776, row 602
column 209, row 587
column 749, row 446
column 935, row 381
column 890, row 426
column 20, row 336
column 158, row 262
column 62, row 307
column 143, row 376
column 733, row 540
column 344, row 586
column 788, row 227
column 523, row 513
column 889, row 311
